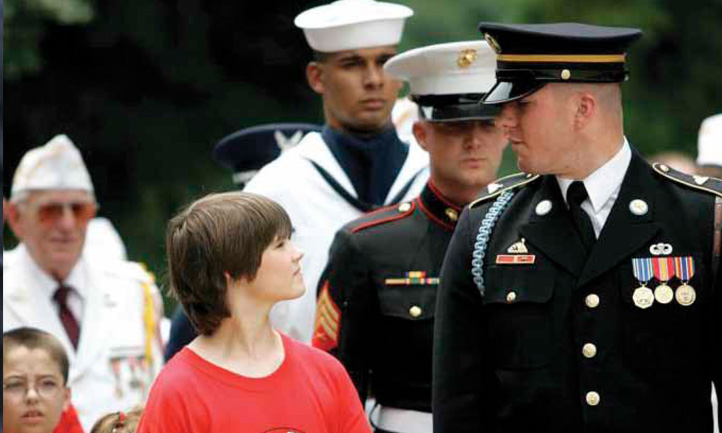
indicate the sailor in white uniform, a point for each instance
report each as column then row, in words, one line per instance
column 357, row 163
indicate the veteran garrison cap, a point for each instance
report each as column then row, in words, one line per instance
column 447, row 81
column 245, row 151
column 531, row 55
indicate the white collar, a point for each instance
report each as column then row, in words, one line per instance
column 605, row 180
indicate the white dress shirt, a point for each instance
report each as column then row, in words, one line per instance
column 603, row 187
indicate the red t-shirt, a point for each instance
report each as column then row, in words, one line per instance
column 309, row 393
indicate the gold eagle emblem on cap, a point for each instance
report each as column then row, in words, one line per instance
column 493, row 43
column 466, row 58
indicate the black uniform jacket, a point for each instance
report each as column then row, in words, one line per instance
column 376, row 302
column 552, row 358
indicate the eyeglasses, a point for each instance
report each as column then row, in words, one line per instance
column 49, row 213
column 45, row 388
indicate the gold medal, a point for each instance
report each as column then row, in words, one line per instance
column 685, row 295
column 663, row 294
column 643, row 297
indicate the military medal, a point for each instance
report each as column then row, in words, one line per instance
column 643, row 296
column 685, row 294
column 663, row 271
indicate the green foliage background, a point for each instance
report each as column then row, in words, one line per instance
column 146, row 88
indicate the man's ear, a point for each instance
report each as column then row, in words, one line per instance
column 420, row 133
column 314, row 76
column 587, row 106
column 14, row 222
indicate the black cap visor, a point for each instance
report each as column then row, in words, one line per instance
column 453, row 108
column 506, row 91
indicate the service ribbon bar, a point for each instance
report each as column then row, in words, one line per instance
column 642, row 269
column 663, row 268
column 684, row 267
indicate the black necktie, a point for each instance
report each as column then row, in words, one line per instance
column 576, row 194
column 70, row 323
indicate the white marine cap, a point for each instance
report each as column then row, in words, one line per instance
column 56, row 165
column 709, row 141
column 353, row 24
column 446, row 69
column 451, row 78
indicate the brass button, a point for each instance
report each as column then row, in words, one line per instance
column 589, row 350
column 452, row 214
column 592, row 301
column 593, row 398
column 415, row 311
column 404, row 207
column 566, row 74
column 511, row 297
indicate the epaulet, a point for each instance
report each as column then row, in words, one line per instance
column 506, row 183
column 383, row 216
column 703, row 183
column 131, row 270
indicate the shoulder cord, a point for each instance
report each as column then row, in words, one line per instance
column 482, row 238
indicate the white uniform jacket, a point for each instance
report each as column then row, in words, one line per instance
column 111, row 370
column 317, row 211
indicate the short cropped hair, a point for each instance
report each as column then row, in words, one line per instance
column 33, row 338
column 219, row 233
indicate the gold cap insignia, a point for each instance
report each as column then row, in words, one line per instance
column 466, row 58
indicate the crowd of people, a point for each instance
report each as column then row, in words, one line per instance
column 391, row 283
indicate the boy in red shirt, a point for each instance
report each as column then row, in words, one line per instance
column 230, row 260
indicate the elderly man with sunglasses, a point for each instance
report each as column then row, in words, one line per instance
column 103, row 310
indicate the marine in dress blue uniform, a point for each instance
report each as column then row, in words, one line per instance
column 375, row 308
column 543, row 325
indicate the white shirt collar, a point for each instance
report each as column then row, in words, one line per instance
column 605, row 180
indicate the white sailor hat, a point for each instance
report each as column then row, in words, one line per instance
column 56, row 165
column 352, row 24
column 709, row 151
column 448, row 81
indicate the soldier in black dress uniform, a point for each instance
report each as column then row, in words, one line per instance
column 376, row 301
column 584, row 297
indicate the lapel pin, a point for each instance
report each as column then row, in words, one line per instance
column 543, row 208
column 638, row 207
